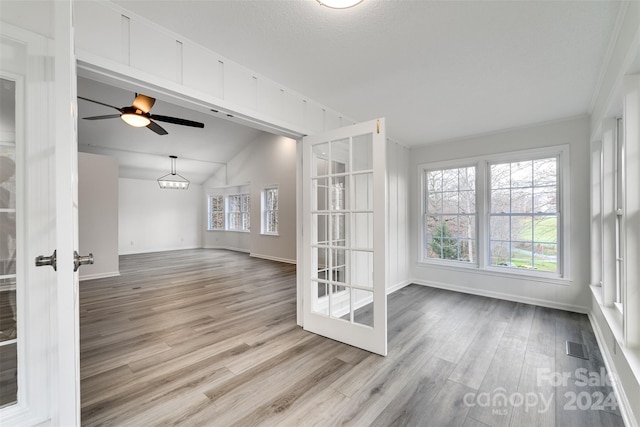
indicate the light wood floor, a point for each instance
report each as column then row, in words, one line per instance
column 208, row 337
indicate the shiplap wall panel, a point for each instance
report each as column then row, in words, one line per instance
column 292, row 107
column 313, row 116
column 240, row 85
column 331, row 120
column 153, row 51
column 102, row 37
column 392, row 203
column 269, row 98
column 202, row 69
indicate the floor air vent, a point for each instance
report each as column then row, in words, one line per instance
column 576, row 350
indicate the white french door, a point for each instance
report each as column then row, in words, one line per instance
column 39, row 328
column 344, row 235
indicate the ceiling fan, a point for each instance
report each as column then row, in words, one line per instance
column 138, row 115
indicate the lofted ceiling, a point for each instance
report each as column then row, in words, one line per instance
column 437, row 70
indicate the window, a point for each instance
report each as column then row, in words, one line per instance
column 216, row 212
column 450, row 214
column 238, row 211
column 619, row 207
column 499, row 213
column 270, row 210
column 523, row 225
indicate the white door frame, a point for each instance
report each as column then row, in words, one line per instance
column 66, row 398
column 46, row 142
column 372, row 337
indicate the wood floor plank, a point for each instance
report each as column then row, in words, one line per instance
column 406, row 409
column 473, row 366
column 534, row 399
column 502, row 378
column 209, row 337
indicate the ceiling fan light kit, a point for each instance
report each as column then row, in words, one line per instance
column 137, row 115
column 339, row 4
column 173, row 180
column 135, row 119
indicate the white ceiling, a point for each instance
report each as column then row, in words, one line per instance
column 437, row 70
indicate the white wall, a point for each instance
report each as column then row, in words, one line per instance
column 268, row 160
column 574, row 295
column 98, row 214
column 623, row 360
column 152, row 219
column 398, row 215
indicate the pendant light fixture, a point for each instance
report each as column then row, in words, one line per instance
column 339, row 4
column 173, row 180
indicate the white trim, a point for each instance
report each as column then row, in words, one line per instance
column 519, row 274
column 611, row 315
column 229, row 248
column 623, row 400
column 273, row 258
column 482, row 190
column 613, row 41
column 503, row 296
column 264, row 210
column 151, row 250
column 398, row 286
column 100, row 276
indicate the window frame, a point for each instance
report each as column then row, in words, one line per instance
column 244, row 211
column 620, row 219
column 483, row 264
column 512, row 214
column 433, row 167
column 265, row 211
column 210, row 211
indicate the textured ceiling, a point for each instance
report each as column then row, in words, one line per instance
column 436, row 70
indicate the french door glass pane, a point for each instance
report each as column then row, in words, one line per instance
column 342, row 228
column 363, row 304
column 8, row 246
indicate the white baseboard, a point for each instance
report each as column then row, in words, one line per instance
column 508, row 297
column 273, row 258
column 151, row 250
column 398, row 286
column 99, row 276
column 228, row 248
column 623, row 401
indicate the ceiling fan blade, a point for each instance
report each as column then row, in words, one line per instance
column 157, row 128
column 100, row 103
column 177, row 121
column 143, row 102
column 108, row 116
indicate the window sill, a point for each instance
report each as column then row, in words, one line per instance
column 497, row 272
column 270, row 234
column 611, row 314
column 231, row 231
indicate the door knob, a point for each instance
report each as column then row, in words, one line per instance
column 79, row 260
column 48, row 260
